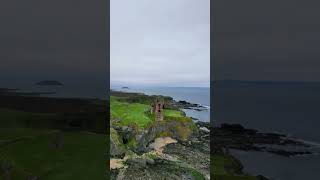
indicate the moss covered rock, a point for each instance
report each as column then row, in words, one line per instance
column 116, row 144
column 181, row 129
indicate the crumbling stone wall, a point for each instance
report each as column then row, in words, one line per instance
column 158, row 106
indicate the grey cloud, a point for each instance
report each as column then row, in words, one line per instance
column 160, row 42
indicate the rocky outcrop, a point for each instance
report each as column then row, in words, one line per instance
column 169, row 102
column 188, row 105
column 182, row 131
column 235, row 136
column 160, row 170
column 159, row 154
column 116, row 145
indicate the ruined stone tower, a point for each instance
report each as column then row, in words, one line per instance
column 158, row 106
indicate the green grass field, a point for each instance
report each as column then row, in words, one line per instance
column 135, row 113
column 129, row 112
column 30, row 150
column 81, row 157
column 172, row 113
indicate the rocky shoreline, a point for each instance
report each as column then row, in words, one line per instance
column 235, row 136
column 170, row 102
column 187, row 105
column 177, row 160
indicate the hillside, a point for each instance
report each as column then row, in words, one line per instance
column 142, row 146
column 52, row 138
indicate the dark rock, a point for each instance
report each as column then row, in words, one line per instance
column 195, row 154
column 150, row 161
column 161, row 170
column 183, row 102
column 187, row 177
column 172, row 128
column 203, row 124
column 260, row 177
column 116, row 149
column 195, row 119
column 237, row 128
column 286, row 153
column 235, row 136
column 137, row 162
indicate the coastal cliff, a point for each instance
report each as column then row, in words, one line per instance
column 142, row 147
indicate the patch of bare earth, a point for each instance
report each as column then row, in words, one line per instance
column 159, row 143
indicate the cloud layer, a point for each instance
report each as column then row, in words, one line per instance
column 163, row 42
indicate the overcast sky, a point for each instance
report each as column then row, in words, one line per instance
column 160, row 42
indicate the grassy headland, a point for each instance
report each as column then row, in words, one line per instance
column 134, row 129
column 52, row 138
column 137, row 113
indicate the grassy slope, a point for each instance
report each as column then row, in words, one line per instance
column 29, row 150
column 81, row 157
column 129, row 112
column 172, row 113
column 135, row 113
